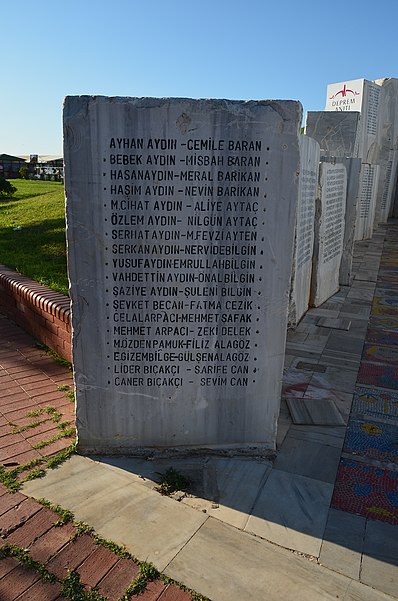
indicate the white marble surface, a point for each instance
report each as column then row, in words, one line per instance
column 329, row 232
column 336, row 132
column 353, row 168
column 156, row 365
column 298, row 520
column 304, row 239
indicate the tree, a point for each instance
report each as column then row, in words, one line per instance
column 6, row 188
column 24, row 172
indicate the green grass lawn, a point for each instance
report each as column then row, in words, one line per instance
column 32, row 232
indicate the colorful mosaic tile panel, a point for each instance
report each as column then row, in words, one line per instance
column 390, row 284
column 377, row 403
column 386, row 301
column 366, row 490
column 385, row 323
column 386, row 293
column 380, row 337
column 383, row 376
column 388, row 267
column 387, row 285
column 374, row 440
column 379, row 309
column 380, row 354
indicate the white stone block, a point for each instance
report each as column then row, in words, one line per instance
column 304, row 239
column 329, row 232
column 353, row 169
column 180, row 226
column 336, row 132
column 368, row 184
column 363, row 96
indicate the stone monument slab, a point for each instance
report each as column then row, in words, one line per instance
column 353, row 169
column 336, row 132
column 368, row 184
column 304, row 239
column 387, row 148
column 329, row 232
column 363, row 96
column 180, row 227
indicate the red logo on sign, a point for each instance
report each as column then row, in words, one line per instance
column 344, row 93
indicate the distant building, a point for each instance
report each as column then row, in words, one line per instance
column 49, row 167
column 10, row 166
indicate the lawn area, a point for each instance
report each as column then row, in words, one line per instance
column 32, row 232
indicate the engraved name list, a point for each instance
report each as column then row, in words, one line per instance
column 183, row 224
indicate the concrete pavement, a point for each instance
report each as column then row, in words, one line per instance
column 318, row 523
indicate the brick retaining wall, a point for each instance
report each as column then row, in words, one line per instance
column 38, row 310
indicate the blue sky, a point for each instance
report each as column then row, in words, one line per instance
column 233, row 49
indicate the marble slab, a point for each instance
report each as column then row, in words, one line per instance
column 368, row 185
column 179, row 276
column 233, row 485
column 304, row 239
column 329, row 232
column 380, row 559
column 343, row 543
column 353, row 169
column 335, row 132
column 263, row 571
column 322, row 412
column 334, row 323
column 307, row 458
column 298, row 520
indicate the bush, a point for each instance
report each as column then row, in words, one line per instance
column 24, row 172
column 6, row 188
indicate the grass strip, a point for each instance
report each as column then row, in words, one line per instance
column 32, row 232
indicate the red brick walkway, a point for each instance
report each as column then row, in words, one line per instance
column 34, row 411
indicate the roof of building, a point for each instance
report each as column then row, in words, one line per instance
column 9, row 157
column 44, row 158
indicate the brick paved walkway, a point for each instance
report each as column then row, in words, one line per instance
column 34, row 412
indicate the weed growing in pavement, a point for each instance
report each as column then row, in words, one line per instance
column 64, row 434
column 82, row 528
column 52, row 413
column 114, row 547
column 57, row 358
column 74, row 590
column 16, row 430
column 65, row 516
column 61, row 456
column 148, row 572
column 23, row 556
column 37, row 472
column 69, row 393
column 172, row 481
column 9, row 478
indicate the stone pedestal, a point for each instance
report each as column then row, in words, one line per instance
column 180, row 226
